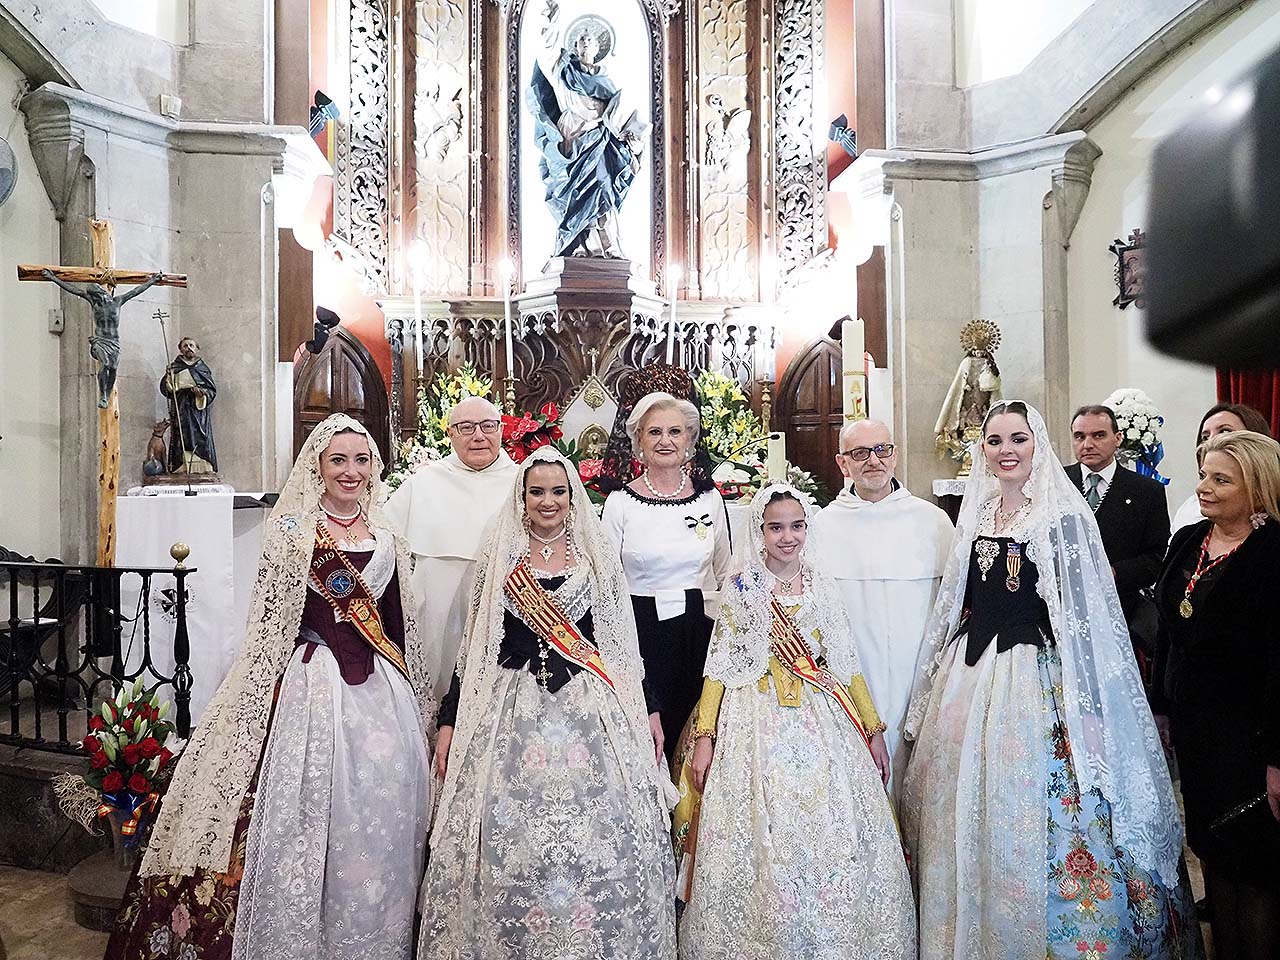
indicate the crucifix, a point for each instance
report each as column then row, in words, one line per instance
column 99, row 291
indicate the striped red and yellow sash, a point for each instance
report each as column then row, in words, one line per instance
column 340, row 583
column 793, row 653
column 544, row 616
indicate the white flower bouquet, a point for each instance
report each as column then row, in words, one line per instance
column 1140, row 422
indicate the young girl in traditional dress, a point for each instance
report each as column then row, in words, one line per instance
column 551, row 839
column 1037, row 804
column 295, row 824
column 797, row 854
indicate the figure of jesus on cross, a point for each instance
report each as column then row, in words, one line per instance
column 104, row 342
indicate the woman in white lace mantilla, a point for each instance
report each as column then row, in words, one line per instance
column 551, row 839
column 796, row 850
column 296, row 821
column 1037, row 805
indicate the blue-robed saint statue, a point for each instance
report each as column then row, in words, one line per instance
column 190, row 388
column 588, row 146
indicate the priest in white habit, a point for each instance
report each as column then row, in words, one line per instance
column 442, row 511
column 885, row 549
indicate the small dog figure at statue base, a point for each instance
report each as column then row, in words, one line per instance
column 154, row 465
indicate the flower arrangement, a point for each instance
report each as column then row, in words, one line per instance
column 128, row 747
column 526, row 433
column 431, row 439
column 1140, row 421
column 729, row 425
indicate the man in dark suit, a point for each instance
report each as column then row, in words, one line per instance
column 1132, row 513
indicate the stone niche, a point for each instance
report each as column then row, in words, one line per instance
column 433, row 167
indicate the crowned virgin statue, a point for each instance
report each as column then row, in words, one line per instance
column 588, row 145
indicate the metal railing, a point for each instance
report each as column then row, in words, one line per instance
column 66, row 644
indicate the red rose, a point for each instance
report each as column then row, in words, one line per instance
column 128, row 725
column 139, row 784
column 96, row 722
column 91, row 744
column 132, row 754
column 100, row 761
column 165, row 756
column 155, row 713
column 111, row 708
column 150, row 747
column 112, row 782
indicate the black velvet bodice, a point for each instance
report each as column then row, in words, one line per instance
column 993, row 610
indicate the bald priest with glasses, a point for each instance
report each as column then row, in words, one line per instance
column 885, row 549
column 443, row 511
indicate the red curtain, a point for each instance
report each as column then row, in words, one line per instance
column 1260, row 389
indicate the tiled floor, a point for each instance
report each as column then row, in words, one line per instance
column 37, row 921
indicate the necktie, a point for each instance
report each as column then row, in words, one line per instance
column 1092, row 495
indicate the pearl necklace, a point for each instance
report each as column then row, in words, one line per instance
column 684, row 479
column 546, row 550
column 339, row 517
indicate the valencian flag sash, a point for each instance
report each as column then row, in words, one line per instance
column 548, row 621
column 794, row 654
column 340, row 583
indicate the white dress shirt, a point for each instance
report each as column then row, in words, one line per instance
column 1107, row 474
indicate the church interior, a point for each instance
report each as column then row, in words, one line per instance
column 822, row 210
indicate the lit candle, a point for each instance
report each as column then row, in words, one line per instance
column 775, row 467
column 417, row 262
column 854, row 362
column 508, row 271
column 673, row 284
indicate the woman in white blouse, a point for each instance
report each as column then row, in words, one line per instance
column 672, row 532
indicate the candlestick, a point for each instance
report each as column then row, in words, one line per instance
column 508, row 271
column 775, row 467
column 673, row 284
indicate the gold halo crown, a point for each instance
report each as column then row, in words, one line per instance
column 980, row 336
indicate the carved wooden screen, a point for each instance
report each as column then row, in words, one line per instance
column 342, row 378
column 810, row 409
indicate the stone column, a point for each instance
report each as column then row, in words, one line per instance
column 974, row 235
column 185, row 197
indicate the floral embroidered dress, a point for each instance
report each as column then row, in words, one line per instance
column 1011, row 859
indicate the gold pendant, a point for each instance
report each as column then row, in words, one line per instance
column 1185, row 608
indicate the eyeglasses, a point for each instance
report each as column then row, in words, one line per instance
column 467, row 427
column 882, row 450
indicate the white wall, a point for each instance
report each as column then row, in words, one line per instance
column 998, row 38
column 166, row 20
column 1107, row 345
column 29, row 369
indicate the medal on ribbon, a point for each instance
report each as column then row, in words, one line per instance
column 1013, row 564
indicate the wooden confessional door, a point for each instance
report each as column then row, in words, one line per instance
column 341, row 378
column 810, row 408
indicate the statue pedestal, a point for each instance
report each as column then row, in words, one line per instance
column 572, row 284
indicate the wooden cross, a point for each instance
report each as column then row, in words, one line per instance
column 103, row 277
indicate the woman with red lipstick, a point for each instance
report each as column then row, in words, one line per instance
column 1216, row 686
column 1037, row 805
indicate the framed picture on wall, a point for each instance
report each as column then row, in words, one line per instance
column 1131, row 270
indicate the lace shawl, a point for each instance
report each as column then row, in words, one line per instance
column 739, row 651
column 615, row 632
column 1113, row 737
column 198, row 817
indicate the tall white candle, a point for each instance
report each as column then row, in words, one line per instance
column 417, row 267
column 508, row 271
column 775, row 465
column 853, row 356
column 673, row 289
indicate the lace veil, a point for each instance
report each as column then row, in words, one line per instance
column 506, row 543
column 739, row 651
column 1113, row 737
column 198, row 817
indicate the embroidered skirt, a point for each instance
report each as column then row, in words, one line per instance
column 546, row 852
column 798, row 854
column 1009, row 859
